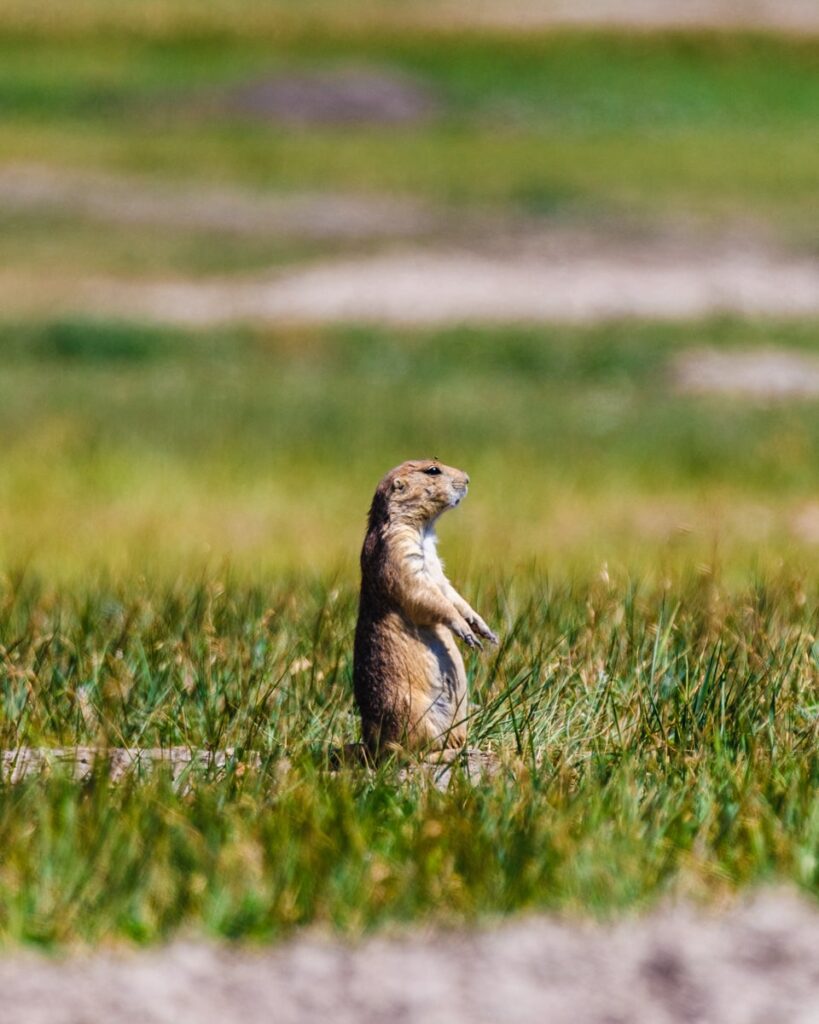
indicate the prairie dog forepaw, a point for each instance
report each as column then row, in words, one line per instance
column 463, row 632
column 481, row 628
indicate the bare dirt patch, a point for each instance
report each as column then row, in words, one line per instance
column 427, row 287
column 805, row 523
column 754, row 963
column 765, row 374
column 343, row 96
column 162, row 19
column 124, row 200
column 466, row 266
column 798, row 16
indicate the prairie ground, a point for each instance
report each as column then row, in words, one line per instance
column 750, row 962
column 182, row 500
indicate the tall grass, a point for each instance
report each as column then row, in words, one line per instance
column 653, row 742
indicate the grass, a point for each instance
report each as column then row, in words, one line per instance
column 551, row 80
column 180, row 512
column 662, row 742
column 170, row 449
column 657, row 721
column 571, row 125
column 61, row 242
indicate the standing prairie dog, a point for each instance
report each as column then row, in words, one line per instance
column 410, row 681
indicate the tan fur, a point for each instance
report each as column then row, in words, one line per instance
column 410, row 681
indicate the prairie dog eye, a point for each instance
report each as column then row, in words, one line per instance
column 432, row 471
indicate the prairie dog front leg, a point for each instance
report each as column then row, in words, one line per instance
column 425, row 604
column 469, row 614
column 435, row 571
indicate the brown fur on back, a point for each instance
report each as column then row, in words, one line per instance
column 410, row 681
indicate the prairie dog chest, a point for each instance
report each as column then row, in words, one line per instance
column 418, row 561
column 433, row 567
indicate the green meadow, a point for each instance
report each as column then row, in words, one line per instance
column 181, row 511
column 655, row 743
column 180, row 535
column 260, row 450
column 710, row 130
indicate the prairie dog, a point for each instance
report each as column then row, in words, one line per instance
column 410, row 681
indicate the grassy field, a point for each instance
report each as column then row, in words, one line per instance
column 166, row 451
column 654, row 700
column 566, row 126
column 656, row 742
column 181, row 512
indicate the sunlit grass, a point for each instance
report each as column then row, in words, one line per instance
column 124, row 445
column 190, row 508
column 654, row 742
column 180, row 513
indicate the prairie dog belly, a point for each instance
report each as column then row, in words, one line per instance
column 439, row 709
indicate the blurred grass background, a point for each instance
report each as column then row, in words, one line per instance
column 260, row 448
column 581, row 124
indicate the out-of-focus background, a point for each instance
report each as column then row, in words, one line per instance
column 254, row 254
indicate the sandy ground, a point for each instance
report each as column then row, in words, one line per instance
column 114, row 199
column 755, row 964
column 788, row 15
column 765, row 374
column 422, row 266
column 186, row 765
column 156, row 18
column 429, row 287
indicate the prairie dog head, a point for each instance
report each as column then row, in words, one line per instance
column 418, row 491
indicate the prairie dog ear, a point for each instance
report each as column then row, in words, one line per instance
column 399, row 483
